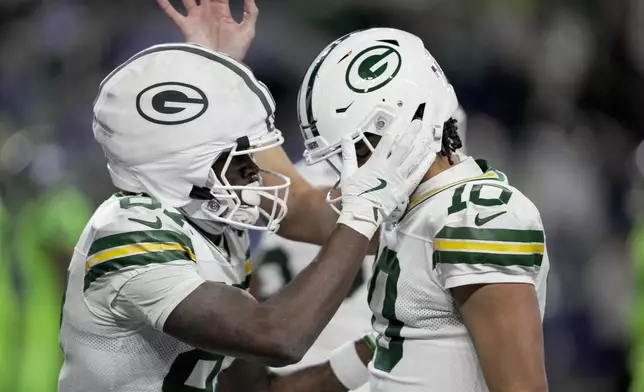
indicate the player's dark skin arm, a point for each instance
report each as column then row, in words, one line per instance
column 309, row 218
column 252, row 377
column 504, row 322
column 277, row 332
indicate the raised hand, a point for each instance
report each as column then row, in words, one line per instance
column 211, row 24
column 372, row 193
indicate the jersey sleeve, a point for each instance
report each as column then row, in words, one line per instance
column 136, row 273
column 495, row 247
column 152, row 294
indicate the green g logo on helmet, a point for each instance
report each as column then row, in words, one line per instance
column 373, row 68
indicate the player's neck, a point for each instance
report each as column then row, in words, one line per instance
column 440, row 164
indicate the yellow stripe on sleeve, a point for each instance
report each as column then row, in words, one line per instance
column 487, row 246
column 135, row 249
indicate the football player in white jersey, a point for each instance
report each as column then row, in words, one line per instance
column 462, row 310
column 459, row 287
column 278, row 260
column 155, row 299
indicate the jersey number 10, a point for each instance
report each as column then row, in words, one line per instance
column 475, row 197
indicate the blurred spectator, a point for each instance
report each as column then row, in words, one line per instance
column 637, row 315
column 9, row 310
column 46, row 231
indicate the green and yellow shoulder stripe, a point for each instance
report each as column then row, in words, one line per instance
column 135, row 248
column 492, row 246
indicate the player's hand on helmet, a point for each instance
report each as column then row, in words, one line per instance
column 211, row 24
column 371, row 193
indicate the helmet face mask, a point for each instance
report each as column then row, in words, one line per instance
column 364, row 83
column 366, row 147
column 235, row 201
column 318, row 149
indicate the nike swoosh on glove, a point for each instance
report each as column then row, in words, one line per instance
column 371, row 193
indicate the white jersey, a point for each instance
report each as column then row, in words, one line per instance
column 279, row 260
column 134, row 263
column 464, row 226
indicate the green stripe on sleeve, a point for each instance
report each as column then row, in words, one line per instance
column 137, row 237
column 101, row 269
column 499, row 235
column 505, row 260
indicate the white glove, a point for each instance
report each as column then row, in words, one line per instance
column 370, row 194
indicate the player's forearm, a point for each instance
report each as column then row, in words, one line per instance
column 304, row 307
column 317, row 378
column 278, row 331
column 323, row 377
column 309, row 218
column 248, row 377
column 253, row 377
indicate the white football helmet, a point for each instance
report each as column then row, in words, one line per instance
column 364, row 82
column 166, row 115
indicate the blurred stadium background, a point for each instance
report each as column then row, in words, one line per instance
column 554, row 90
